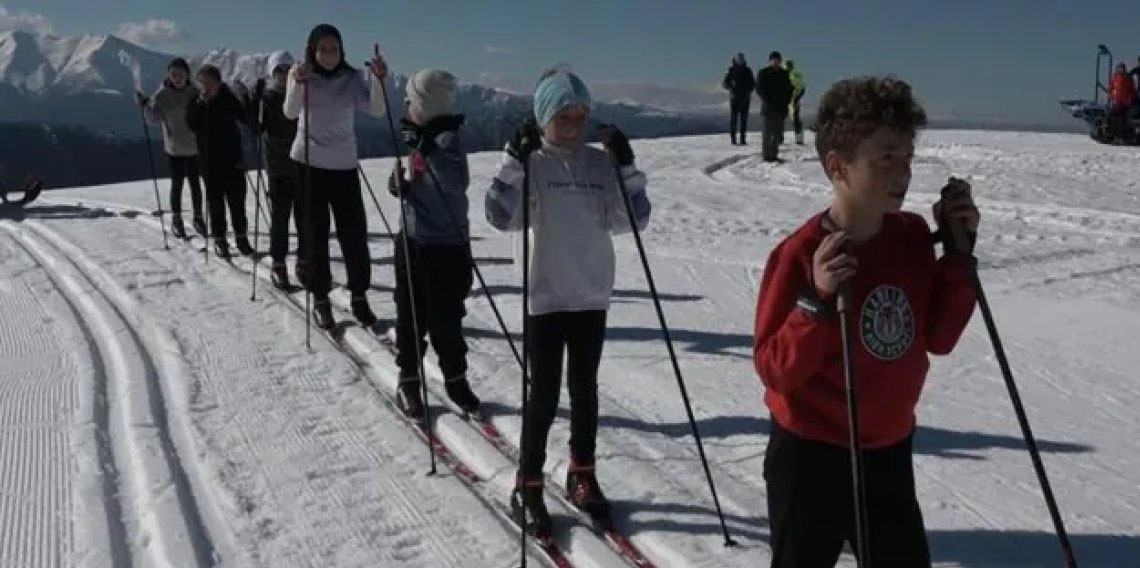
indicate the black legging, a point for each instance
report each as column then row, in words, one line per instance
column 182, row 168
column 582, row 336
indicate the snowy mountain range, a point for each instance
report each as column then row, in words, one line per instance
column 88, row 81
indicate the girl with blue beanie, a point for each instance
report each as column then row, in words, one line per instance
column 575, row 206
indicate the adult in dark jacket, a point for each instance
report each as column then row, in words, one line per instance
column 214, row 117
column 739, row 82
column 277, row 134
column 774, row 85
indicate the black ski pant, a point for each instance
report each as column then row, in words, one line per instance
column 226, row 186
column 773, row 133
column 185, row 169
column 797, row 122
column 283, row 203
column 581, row 335
column 338, row 191
column 441, row 280
column 738, row 107
column 811, row 510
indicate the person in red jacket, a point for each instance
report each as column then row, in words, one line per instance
column 1121, row 96
column 906, row 304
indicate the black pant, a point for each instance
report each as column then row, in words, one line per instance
column 185, row 168
column 582, row 335
column 226, row 186
column 811, row 511
column 283, row 202
column 441, row 280
column 739, row 109
column 797, row 121
column 338, row 190
column 773, row 134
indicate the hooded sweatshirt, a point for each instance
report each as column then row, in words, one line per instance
column 575, row 207
column 168, row 108
column 334, row 97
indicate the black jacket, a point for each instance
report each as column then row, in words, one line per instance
column 267, row 116
column 774, row 85
column 739, row 81
column 215, row 123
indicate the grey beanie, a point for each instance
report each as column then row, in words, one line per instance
column 433, row 90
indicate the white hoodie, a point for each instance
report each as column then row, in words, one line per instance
column 333, row 103
column 576, row 206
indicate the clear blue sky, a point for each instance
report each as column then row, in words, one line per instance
column 994, row 57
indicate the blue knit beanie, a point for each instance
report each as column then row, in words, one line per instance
column 556, row 92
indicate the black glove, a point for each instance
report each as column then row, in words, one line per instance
column 141, row 99
column 953, row 243
column 397, row 185
column 526, row 140
column 416, row 138
column 259, row 88
column 617, row 144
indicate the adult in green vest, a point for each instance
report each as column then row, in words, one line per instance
column 797, row 94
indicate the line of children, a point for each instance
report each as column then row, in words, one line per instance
column 906, row 304
column 576, row 205
column 909, row 304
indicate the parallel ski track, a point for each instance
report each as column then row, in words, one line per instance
column 164, row 521
column 465, row 473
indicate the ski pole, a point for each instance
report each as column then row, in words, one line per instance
column 309, row 239
column 958, row 233
column 408, row 269
column 153, row 177
column 257, row 201
column 256, row 229
column 525, row 335
column 862, row 538
column 475, row 267
column 383, row 218
column 728, row 541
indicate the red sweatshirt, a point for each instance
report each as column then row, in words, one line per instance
column 904, row 305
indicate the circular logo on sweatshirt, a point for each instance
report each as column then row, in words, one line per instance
column 886, row 323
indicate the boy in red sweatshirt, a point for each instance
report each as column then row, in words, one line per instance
column 904, row 302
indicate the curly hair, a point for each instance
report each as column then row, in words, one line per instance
column 854, row 109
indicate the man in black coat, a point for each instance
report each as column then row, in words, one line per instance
column 739, row 83
column 214, row 117
column 774, row 85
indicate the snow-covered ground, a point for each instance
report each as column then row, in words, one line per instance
column 152, row 414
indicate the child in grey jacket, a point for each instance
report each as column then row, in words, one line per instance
column 438, row 260
column 168, row 108
column 575, row 207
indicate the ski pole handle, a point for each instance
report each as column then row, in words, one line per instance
column 958, row 233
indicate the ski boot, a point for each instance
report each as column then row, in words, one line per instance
column 582, row 490
column 408, row 397
column 199, row 225
column 363, row 313
column 459, row 391
column 529, row 508
column 222, row 248
column 280, row 276
column 322, row 312
column 243, row 247
column 177, row 228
